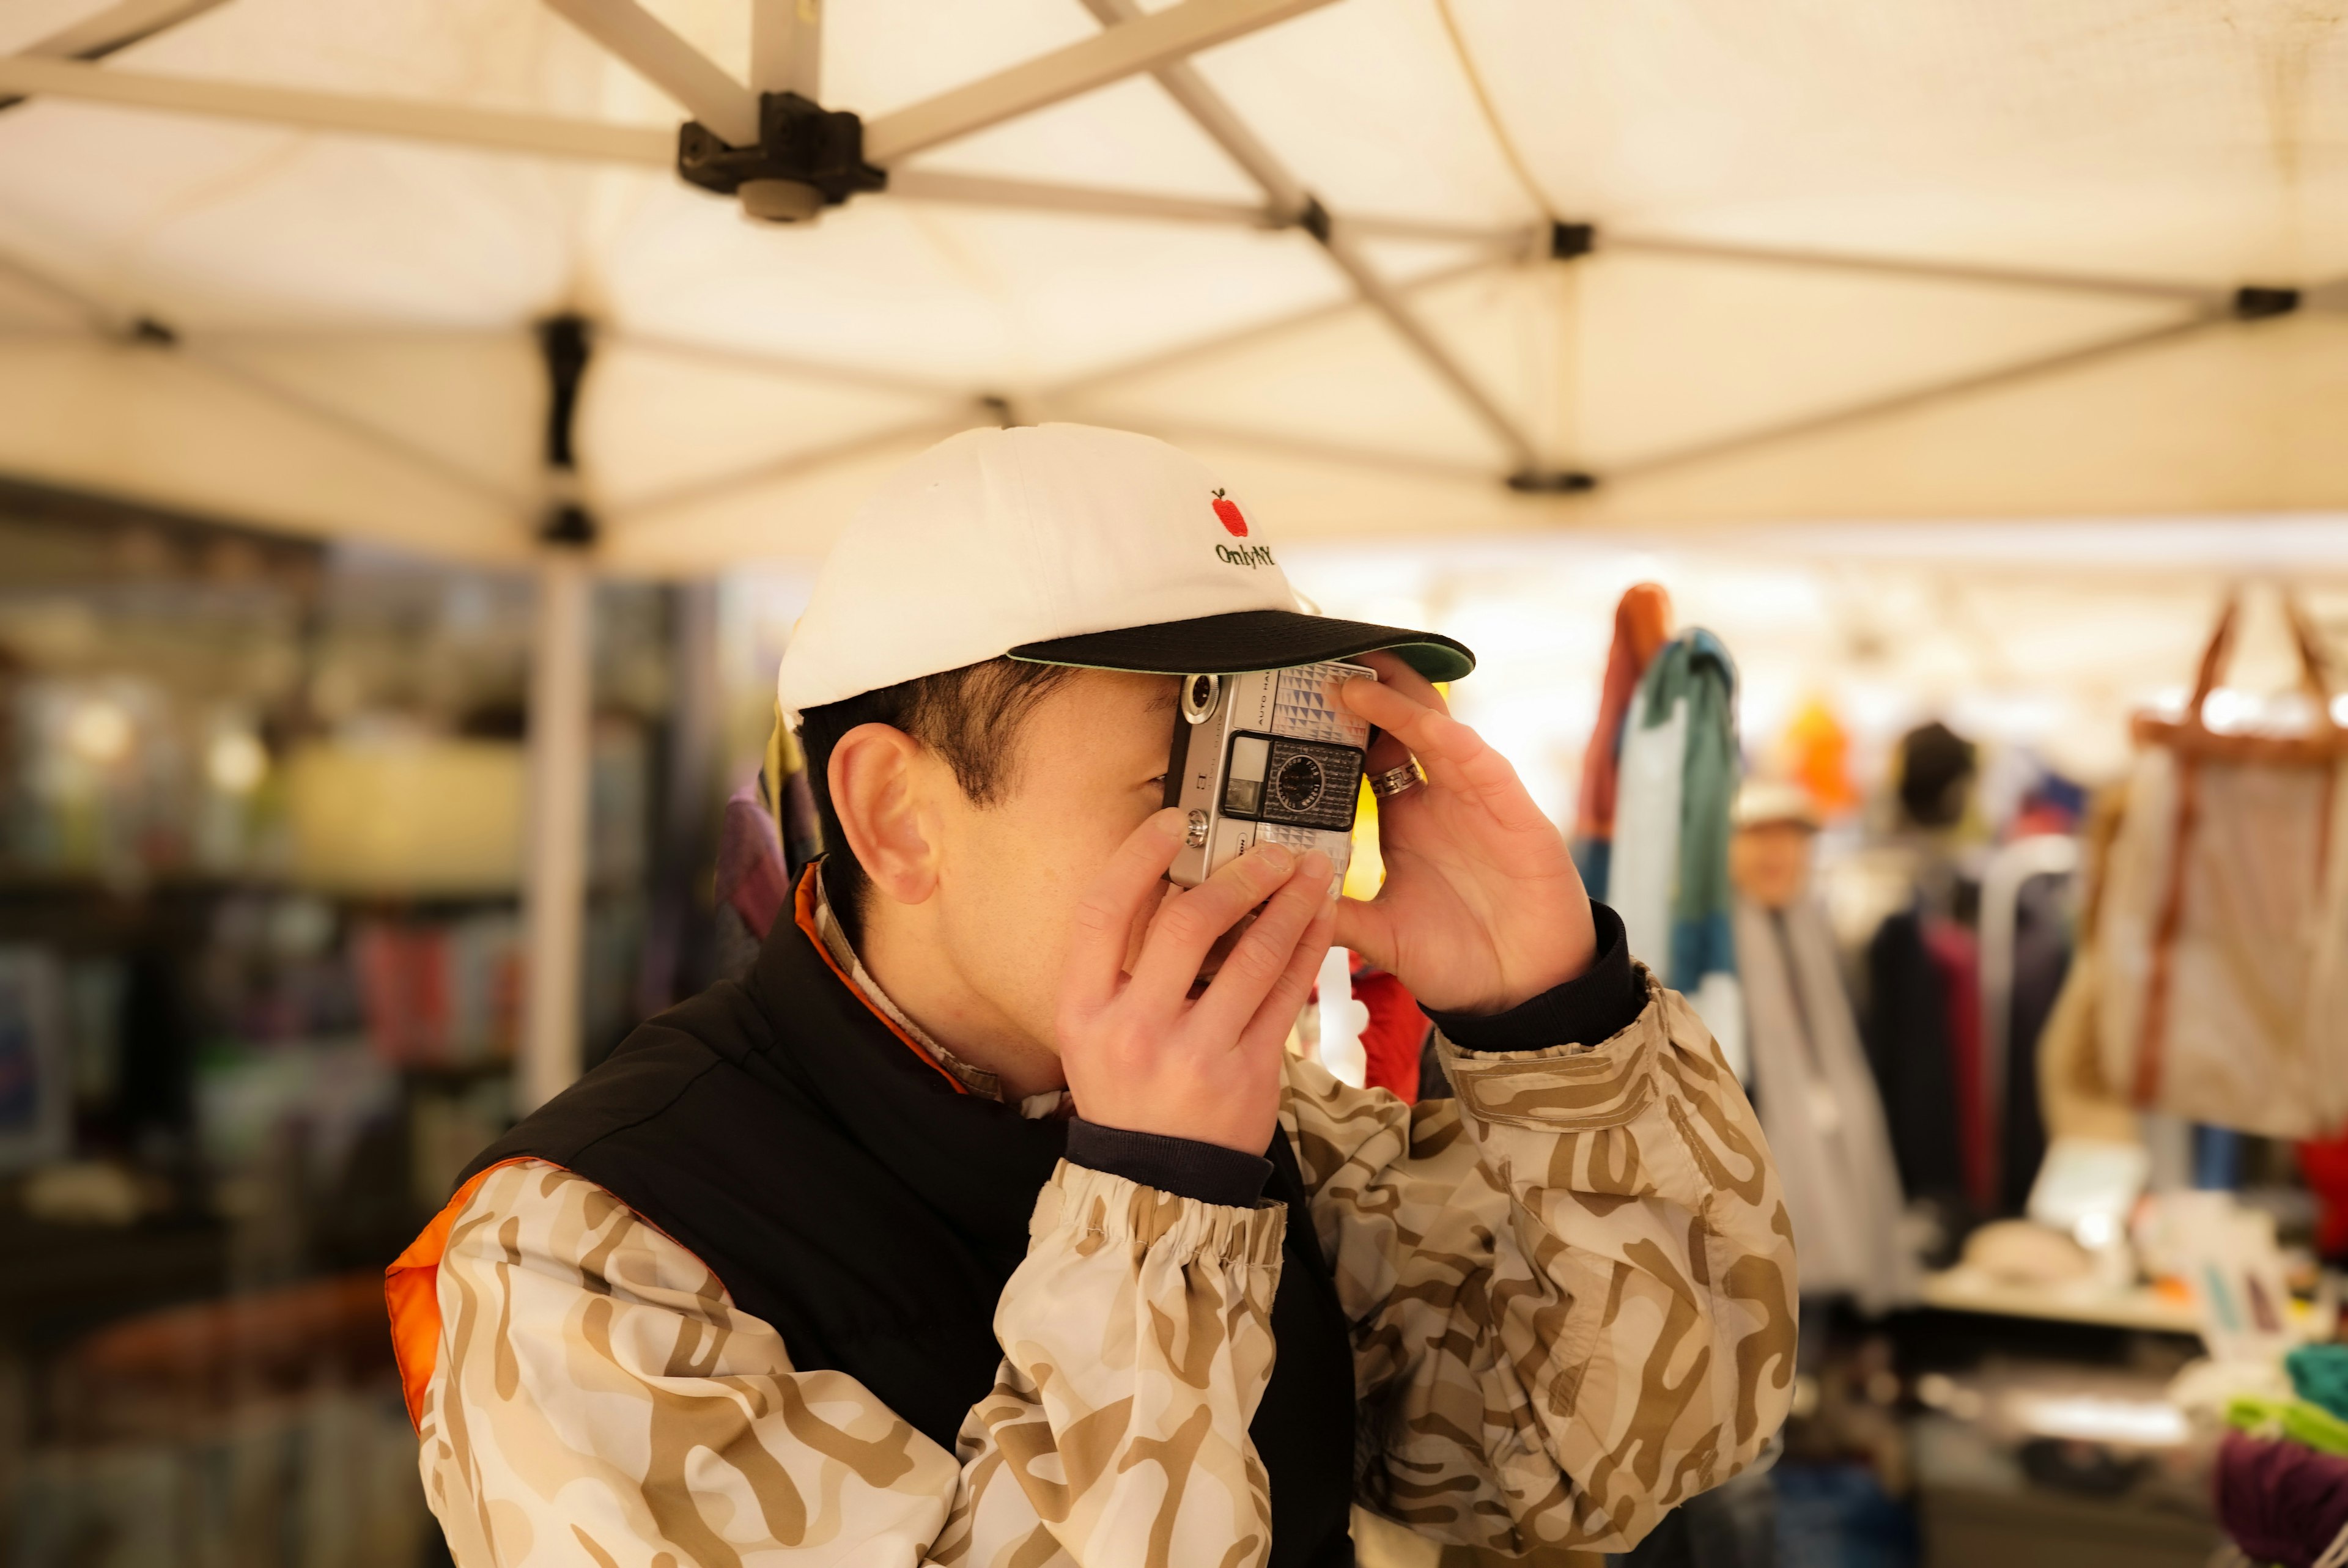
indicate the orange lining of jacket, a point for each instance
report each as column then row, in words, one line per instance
column 803, row 914
column 411, row 1290
column 411, row 1286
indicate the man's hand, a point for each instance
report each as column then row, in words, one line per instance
column 1138, row 1051
column 1482, row 907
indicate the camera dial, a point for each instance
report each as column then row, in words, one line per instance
column 1300, row 783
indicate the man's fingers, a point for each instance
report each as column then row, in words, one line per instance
column 1452, row 754
column 1257, row 963
column 1396, row 676
column 1101, row 934
column 1387, row 750
column 1367, row 928
column 1188, row 924
column 1435, row 737
column 1268, row 1029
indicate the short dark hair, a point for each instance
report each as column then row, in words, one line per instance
column 969, row 717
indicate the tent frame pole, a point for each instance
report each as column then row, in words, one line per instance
column 554, row 895
column 414, row 120
column 654, row 51
column 787, row 47
column 649, row 147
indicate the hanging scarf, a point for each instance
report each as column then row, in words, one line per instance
column 1678, row 780
column 1642, row 621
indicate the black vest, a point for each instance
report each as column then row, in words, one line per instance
column 843, row 1192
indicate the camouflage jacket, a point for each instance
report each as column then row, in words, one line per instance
column 1572, row 1289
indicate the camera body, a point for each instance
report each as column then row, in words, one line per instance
column 1268, row 756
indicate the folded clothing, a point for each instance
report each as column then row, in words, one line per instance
column 2319, row 1373
column 2309, row 1425
column 2280, row 1501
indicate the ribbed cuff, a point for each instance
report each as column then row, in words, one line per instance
column 1599, row 1003
column 1208, row 1173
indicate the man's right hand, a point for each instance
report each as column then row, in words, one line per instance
column 1139, row 1052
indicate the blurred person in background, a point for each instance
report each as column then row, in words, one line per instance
column 1816, row 1094
column 989, row 1220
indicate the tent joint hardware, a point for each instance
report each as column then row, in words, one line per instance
column 564, row 344
column 1567, row 241
column 807, row 157
column 569, row 526
column 1315, row 219
column 148, row 333
column 1552, row 482
column 2258, row 303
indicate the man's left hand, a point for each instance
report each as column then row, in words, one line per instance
column 1482, row 908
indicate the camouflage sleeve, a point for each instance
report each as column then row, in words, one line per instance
column 598, row 1399
column 1572, row 1288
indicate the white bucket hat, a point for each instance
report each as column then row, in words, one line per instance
column 1062, row 544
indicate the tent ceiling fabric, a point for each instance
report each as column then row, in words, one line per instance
column 350, row 320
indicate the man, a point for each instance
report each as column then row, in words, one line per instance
column 1818, row 1098
column 820, row 1266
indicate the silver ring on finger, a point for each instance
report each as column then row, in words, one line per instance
column 1396, row 781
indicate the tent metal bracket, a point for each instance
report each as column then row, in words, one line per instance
column 1552, row 482
column 2264, row 301
column 805, row 157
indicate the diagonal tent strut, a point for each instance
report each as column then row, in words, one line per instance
column 926, row 427
column 119, row 25
column 732, row 110
column 654, row 51
column 1072, row 397
column 964, row 409
column 1141, row 42
column 1287, row 194
column 108, row 321
column 1896, row 267
column 1999, row 378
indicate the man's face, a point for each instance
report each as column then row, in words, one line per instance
column 1088, row 767
column 1770, row 863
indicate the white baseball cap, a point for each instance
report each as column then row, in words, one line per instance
column 1062, row 544
column 1763, row 801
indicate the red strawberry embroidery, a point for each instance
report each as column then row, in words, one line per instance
column 1235, row 522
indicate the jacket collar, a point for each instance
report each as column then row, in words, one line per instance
column 812, row 914
column 973, row 1159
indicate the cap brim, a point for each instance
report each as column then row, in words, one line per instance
column 1248, row 639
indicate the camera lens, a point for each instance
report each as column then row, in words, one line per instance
column 1300, row 783
column 1198, row 696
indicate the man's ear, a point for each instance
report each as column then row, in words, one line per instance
column 877, row 776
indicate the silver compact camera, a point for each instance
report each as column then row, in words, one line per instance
column 1269, row 756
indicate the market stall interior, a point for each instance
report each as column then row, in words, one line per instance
column 416, row 420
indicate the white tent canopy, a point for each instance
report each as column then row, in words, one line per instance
column 1394, row 266
column 1940, row 259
